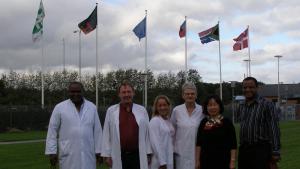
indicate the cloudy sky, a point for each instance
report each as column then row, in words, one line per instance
column 274, row 30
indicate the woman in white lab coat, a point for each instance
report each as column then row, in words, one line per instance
column 161, row 134
column 186, row 119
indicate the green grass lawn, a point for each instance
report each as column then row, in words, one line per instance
column 19, row 136
column 24, row 156
column 31, row 155
column 290, row 140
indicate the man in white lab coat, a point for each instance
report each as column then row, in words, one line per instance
column 126, row 143
column 74, row 132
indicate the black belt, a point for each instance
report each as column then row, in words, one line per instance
column 254, row 144
column 129, row 152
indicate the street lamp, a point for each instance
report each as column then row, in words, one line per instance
column 278, row 86
column 79, row 51
column 247, row 64
column 233, row 83
column 145, row 92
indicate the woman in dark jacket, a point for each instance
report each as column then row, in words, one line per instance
column 216, row 139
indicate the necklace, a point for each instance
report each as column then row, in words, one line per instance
column 213, row 122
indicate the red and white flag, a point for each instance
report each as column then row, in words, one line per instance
column 182, row 30
column 241, row 41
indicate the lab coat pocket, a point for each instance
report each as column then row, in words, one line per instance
column 64, row 148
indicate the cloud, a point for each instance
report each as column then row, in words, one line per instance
column 274, row 29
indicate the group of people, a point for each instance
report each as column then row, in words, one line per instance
column 187, row 137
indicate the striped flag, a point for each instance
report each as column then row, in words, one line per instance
column 37, row 31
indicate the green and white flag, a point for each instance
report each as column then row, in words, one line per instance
column 37, row 31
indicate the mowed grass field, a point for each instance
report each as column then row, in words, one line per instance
column 31, row 155
column 22, row 136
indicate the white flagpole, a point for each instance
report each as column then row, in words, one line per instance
column 64, row 56
column 220, row 62
column 79, row 73
column 146, row 70
column 249, row 51
column 186, row 69
column 42, row 73
column 97, row 59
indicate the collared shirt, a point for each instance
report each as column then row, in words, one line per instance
column 260, row 123
column 80, row 112
column 129, row 130
column 81, row 109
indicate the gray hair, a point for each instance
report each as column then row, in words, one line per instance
column 188, row 85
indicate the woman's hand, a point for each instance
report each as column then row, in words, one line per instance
column 163, row 167
column 197, row 164
column 108, row 161
column 232, row 164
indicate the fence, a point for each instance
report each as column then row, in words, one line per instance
column 288, row 112
column 31, row 117
column 34, row 118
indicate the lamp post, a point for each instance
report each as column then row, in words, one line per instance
column 278, row 86
column 145, row 97
column 79, row 51
column 232, row 102
column 247, row 69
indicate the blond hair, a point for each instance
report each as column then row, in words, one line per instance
column 154, row 109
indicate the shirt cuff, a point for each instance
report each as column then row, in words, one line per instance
column 276, row 153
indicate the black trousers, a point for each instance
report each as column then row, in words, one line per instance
column 254, row 156
column 130, row 160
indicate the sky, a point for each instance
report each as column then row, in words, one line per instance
column 274, row 29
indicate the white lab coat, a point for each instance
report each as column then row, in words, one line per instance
column 186, row 132
column 111, row 146
column 79, row 136
column 161, row 137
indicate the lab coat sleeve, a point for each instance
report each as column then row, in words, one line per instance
column 106, row 137
column 53, row 129
column 156, row 142
column 97, row 133
column 173, row 118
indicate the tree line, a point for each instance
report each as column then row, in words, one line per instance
column 20, row 93
column 25, row 89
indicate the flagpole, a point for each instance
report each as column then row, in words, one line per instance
column 97, row 59
column 79, row 74
column 64, row 56
column 42, row 73
column 249, row 52
column 186, row 69
column 220, row 62
column 146, row 70
column 37, row 33
column 43, row 65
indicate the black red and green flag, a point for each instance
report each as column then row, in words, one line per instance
column 90, row 23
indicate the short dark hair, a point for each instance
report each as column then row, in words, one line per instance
column 217, row 99
column 76, row 83
column 125, row 83
column 251, row 78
